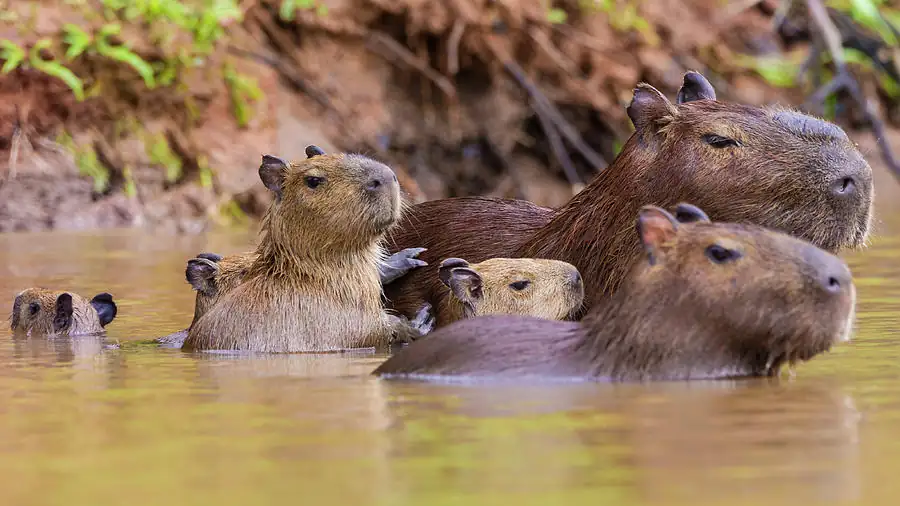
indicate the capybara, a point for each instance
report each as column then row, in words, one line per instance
column 741, row 164
column 522, row 286
column 38, row 311
column 212, row 276
column 314, row 285
column 708, row 300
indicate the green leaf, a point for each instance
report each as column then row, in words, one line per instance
column 124, row 55
column 77, row 40
column 54, row 69
column 13, row 55
column 557, row 16
column 286, row 10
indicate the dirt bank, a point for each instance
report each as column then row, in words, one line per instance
column 458, row 95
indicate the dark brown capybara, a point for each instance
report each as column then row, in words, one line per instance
column 708, row 300
column 521, row 286
column 38, row 311
column 742, row 164
column 314, row 285
column 212, row 276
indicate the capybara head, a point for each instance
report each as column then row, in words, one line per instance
column 340, row 200
column 212, row 276
column 764, row 165
column 48, row 312
column 548, row 289
column 746, row 298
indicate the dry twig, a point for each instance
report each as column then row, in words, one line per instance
column 379, row 42
column 844, row 80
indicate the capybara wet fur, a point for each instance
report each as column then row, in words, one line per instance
column 707, row 300
column 523, row 286
column 741, row 164
column 38, row 311
column 314, row 285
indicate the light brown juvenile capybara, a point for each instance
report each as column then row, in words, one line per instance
column 315, row 284
column 522, row 286
column 708, row 300
column 38, row 311
column 212, row 276
column 767, row 166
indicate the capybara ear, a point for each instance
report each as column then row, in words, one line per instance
column 14, row 318
column 313, row 150
column 106, row 308
column 655, row 227
column 448, row 265
column 466, row 285
column 689, row 213
column 201, row 274
column 648, row 106
column 210, row 256
column 62, row 318
column 272, row 172
column 695, row 87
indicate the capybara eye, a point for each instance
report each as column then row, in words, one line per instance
column 313, row 181
column 717, row 141
column 519, row 285
column 720, row 255
column 33, row 308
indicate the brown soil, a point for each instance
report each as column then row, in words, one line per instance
column 436, row 88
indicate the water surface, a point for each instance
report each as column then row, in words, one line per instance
column 81, row 424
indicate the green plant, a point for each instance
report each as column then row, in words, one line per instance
column 288, row 8
column 557, row 16
column 12, row 55
column 54, row 68
column 161, row 154
column 123, row 54
column 242, row 90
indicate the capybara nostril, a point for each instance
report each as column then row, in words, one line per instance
column 575, row 279
column 844, row 187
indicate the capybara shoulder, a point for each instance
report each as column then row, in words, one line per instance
column 523, row 286
column 708, row 300
column 772, row 167
column 38, row 311
column 314, row 284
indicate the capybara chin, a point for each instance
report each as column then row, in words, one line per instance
column 741, row 164
column 519, row 286
column 708, row 300
column 38, row 311
column 314, row 285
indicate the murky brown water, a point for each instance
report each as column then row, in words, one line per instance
column 80, row 424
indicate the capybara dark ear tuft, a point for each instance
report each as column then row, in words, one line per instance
column 62, row 316
column 201, row 274
column 272, row 172
column 689, row 213
column 695, row 87
column 448, row 265
column 655, row 227
column 14, row 318
column 106, row 308
column 313, row 150
column 210, row 256
column 466, row 285
column 647, row 107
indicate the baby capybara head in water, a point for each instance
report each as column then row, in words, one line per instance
column 314, row 198
column 761, row 297
column 46, row 312
column 779, row 168
column 542, row 288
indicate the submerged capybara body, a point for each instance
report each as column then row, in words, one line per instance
column 742, row 164
column 47, row 312
column 522, row 286
column 708, row 300
column 314, row 285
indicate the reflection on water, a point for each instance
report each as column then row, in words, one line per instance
column 84, row 423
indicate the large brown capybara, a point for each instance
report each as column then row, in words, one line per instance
column 38, row 311
column 212, row 276
column 521, row 286
column 708, row 300
column 315, row 284
column 742, row 164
